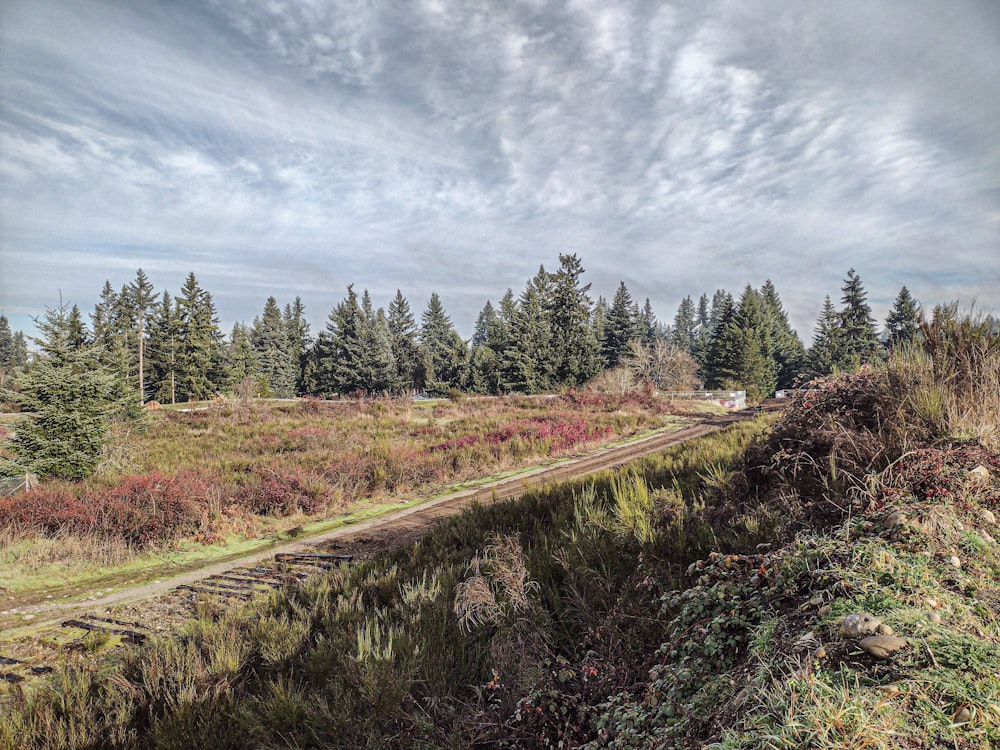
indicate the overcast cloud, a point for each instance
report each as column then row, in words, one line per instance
column 291, row 148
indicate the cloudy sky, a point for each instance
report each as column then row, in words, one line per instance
column 289, row 148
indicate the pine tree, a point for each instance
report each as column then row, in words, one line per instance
column 441, row 350
column 242, row 361
column 789, row 353
column 531, row 366
column 200, row 343
column 483, row 360
column 619, row 327
column 70, row 397
column 77, row 336
column 825, row 349
column 685, row 326
column 858, row 338
column 598, row 324
column 903, row 321
column 647, row 324
column 270, row 340
column 721, row 360
column 142, row 299
column 575, row 348
column 343, row 346
column 13, row 352
column 163, row 347
column 403, row 341
column 297, row 331
column 375, row 367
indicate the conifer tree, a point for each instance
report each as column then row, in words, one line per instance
column 70, row 397
column 484, row 362
column 403, row 341
column 531, row 368
column 297, row 330
column 442, row 351
column 575, row 348
column 647, row 324
column 825, row 350
column 142, row 300
column 858, row 338
column 789, row 353
column 164, row 347
column 243, row 362
column 685, row 326
column 598, row 324
column 343, row 346
column 200, row 343
column 375, row 367
column 619, row 328
column 271, row 343
column 903, row 321
column 720, row 362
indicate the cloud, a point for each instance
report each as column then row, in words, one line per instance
column 455, row 146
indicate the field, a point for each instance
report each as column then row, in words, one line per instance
column 217, row 480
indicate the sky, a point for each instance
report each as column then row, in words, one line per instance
column 280, row 148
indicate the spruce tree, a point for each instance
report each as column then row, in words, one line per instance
column 297, row 332
column 789, row 353
column 242, row 360
column 271, row 343
column 619, row 328
column 721, row 360
column 531, row 367
column 858, row 338
column 903, row 321
column 442, row 351
column 200, row 343
column 403, row 340
column 164, row 347
column 343, row 346
column 142, row 300
column 70, row 398
column 647, row 324
column 685, row 326
column 483, row 359
column 575, row 348
column 375, row 367
column 825, row 350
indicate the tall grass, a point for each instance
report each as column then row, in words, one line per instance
column 432, row 645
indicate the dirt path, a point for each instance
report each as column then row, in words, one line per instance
column 368, row 537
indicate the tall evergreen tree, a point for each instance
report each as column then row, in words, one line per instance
column 903, row 321
column 164, row 347
column 299, row 341
column 343, row 342
column 484, row 361
column 825, row 350
column 200, row 343
column 142, row 300
column 442, row 351
column 647, row 324
column 685, row 326
column 70, row 397
column 375, row 368
column 403, row 340
column 531, row 365
column 789, row 353
column 243, row 362
column 272, row 345
column 858, row 337
column 78, row 337
column 720, row 362
column 619, row 328
column 575, row 348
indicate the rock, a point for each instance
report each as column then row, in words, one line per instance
column 980, row 474
column 934, row 618
column 986, row 535
column 962, row 716
column 815, row 601
column 954, row 561
column 820, row 653
column 824, row 610
column 883, row 646
column 884, row 629
column 987, row 515
column 896, row 518
column 932, row 603
column 859, row 624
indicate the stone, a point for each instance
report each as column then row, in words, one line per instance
column 815, row 601
column 962, row 716
column 980, row 474
column 987, row 515
column 883, row 646
column 954, row 561
column 932, row 603
column 884, row 629
column 896, row 518
column 820, row 653
column 824, row 610
column 934, row 618
column 859, row 624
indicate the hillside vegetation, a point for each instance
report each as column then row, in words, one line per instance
column 828, row 580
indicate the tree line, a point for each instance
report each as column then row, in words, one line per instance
column 552, row 335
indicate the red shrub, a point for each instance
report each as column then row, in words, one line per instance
column 276, row 491
column 143, row 511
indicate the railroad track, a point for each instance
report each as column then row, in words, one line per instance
column 242, row 579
